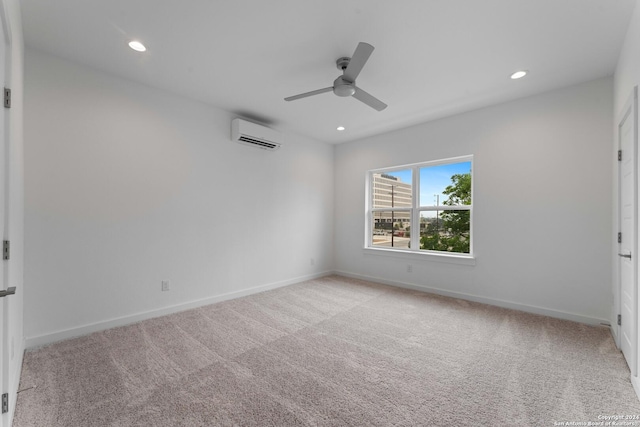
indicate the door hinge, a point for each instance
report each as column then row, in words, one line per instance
column 7, row 97
column 6, row 250
column 619, row 155
column 5, row 403
column 619, row 237
column 619, row 319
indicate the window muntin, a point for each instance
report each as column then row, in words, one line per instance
column 432, row 197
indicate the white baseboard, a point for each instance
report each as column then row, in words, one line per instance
column 484, row 300
column 42, row 340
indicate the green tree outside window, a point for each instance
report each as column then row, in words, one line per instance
column 451, row 232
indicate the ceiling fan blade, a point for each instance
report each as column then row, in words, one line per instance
column 359, row 58
column 370, row 100
column 313, row 92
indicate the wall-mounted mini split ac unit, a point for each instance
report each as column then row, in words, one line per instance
column 255, row 135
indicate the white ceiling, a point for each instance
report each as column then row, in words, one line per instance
column 433, row 58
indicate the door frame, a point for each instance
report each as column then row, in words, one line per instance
column 6, row 345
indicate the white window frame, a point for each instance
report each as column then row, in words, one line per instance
column 414, row 252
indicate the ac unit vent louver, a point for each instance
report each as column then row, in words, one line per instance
column 262, row 144
column 255, row 135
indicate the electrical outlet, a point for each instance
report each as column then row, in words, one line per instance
column 409, row 268
column 165, row 285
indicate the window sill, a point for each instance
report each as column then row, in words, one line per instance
column 422, row 256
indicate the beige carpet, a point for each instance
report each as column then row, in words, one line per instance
column 331, row 352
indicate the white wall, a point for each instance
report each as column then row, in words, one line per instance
column 127, row 186
column 627, row 73
column 542, row 203
column 15, row 232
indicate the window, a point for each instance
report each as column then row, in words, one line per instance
column 421, row 208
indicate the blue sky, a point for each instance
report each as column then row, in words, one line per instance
column 433, row 180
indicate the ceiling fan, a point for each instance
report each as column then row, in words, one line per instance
column 345, row 85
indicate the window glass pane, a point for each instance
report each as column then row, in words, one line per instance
column 447, row 231
column 392, row 189
column 391, row 229
column 448, row 184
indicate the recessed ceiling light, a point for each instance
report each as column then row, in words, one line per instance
column 519, row 74
column 137, row 46
column 340, row 128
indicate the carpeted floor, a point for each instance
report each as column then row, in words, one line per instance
column 331, row 352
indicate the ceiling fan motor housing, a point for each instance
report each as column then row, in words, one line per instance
column 342, row 87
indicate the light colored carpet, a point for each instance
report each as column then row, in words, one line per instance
column 330, row 352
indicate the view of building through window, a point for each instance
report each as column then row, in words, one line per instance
column 441, row 204
column 392, row 227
